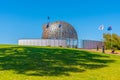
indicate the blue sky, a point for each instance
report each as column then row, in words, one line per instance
column 24, row 18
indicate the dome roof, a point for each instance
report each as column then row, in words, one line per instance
column 59, row 30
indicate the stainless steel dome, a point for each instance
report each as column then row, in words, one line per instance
column 60, row 30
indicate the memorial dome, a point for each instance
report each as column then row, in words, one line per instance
column 60, row 30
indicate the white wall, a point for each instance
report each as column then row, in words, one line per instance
column 42, row 42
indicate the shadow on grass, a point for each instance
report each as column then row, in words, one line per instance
column 49, row 61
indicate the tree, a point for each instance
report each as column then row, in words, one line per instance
column 112, row 41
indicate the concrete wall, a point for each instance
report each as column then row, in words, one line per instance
column 91, row 44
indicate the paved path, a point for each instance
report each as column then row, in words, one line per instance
column 106, row 51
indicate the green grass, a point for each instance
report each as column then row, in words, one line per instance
column 46, row 63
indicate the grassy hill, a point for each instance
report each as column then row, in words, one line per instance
column 46, row 63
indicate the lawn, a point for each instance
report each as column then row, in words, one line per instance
column 47, row 63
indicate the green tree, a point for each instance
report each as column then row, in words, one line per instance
column 111, row 41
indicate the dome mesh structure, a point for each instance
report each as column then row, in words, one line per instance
column 61, row 30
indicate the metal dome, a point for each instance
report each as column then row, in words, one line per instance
column 60, row 30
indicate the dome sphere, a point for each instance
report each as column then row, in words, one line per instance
column 59, row 30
